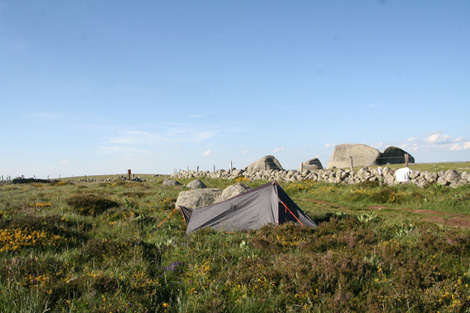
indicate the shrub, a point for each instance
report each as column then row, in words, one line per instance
column 104, row 284
column 90, row 204
column 48, row 231
column 98, row 250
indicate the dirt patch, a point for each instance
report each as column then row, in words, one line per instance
column 448, row 219
column 455, row 222
column 321, row 202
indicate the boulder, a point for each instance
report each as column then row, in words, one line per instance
column 171, row 182
column 196, row 184
column 430, row 177
column 198, row 198
column 362, row 155
column 466, row 176
column 268, row 162
column 452, row 176
column 311, row 165
column 394, row 155
column 232, row 191
column 441, row 181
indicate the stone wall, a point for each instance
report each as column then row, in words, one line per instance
column 382, row 175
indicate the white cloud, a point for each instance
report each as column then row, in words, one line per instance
column 245, row 151
column 436, row 141
column 329, row 145
column 279, row 149
column 410, row 147
column 379, row 145
column 208, row 152
column 437, row 138
column 460, row 146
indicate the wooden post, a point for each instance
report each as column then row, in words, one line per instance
column 197, row 169
column 406, row 159
column 352, row 163
column 301, row 168
column 129, row 173
column 231, row 167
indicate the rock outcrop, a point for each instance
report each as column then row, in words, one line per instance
column 268, row 162
column 312, row 165
column 394, row 155
column 198, row 198
column 362, row 155
column 171, row 182
column 232, row 191
column 196, row 184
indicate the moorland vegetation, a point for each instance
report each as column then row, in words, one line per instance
column 97, row 247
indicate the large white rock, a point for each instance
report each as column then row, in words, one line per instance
column 362, row 155
column 311, row 165
column 198, row 198
column 232, row 191
column 268, row 162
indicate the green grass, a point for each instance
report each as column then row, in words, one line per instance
column 96, row 247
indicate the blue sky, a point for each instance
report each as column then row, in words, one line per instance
column 99, row 87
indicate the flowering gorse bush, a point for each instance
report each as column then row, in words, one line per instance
column 16, row 239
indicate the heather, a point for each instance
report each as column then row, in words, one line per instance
column 97, row 247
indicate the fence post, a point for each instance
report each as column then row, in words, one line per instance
column 352, row 163
column 301, row 168
column 197, row 169
column 231, row 167
column 406, row 159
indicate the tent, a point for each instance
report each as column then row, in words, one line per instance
column 266, row 204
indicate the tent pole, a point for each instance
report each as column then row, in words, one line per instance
column 291, row 212
column 166, row 218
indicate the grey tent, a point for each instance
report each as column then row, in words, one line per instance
column 266, row 204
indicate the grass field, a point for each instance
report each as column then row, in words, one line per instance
column 96, row 247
